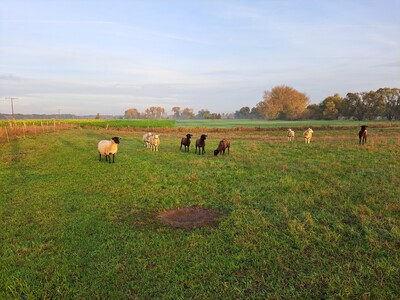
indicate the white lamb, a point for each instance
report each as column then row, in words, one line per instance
column 146, row 139
column 290, row 135
column 108, row 147
column 307, row 135
column 154, row 142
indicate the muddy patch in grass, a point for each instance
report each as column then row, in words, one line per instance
column 190, row 217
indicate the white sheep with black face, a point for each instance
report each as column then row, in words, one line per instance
column 146, row 139
column 308, row 135
column 154, row 142
column 290, row 135
column 108, row 147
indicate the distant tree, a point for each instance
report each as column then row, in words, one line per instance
column 330, row 112
column 97, row 116
column 187, row 113
column 331, row 108
column 131, row 113
column 283, row 102
column 154, row 112
column 375, row 106
column 354, row 106
column 391, row 98
column 262, row 108
column 177, row 112
column 203, row 114
column 254, row 114
column 243, row 113
column 312, row 112
column 213, row 116
column 227, row 116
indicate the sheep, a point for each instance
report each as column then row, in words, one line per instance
column 146, row 139
column 185, row 141
column 223, row 144
column 154, row 142
column 201, row 143
column 307, row 135
column 108, row 147
column 290, row 135
column 362, row 134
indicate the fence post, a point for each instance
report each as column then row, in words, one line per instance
column 24, row 128
column 8, row 139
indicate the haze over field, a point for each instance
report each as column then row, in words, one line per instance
column 88, row 57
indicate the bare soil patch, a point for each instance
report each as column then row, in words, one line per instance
column 190, row 217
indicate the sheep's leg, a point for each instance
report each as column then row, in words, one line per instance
column 113, row 158
column 99, row 156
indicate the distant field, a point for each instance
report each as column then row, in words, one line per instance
column 125, row 123
column 276, row 124
column 225, row 123
column 299, row 221
column 97, row 123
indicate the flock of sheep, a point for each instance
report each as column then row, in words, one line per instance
column 307, row 135
column 362, row 134
column 110, row 147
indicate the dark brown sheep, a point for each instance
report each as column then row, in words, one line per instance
column 223, row 145
column 185, row 141
column 201, row 143
column 362, row 134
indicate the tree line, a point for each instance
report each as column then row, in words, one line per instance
column 158, row 112
column 286, row 103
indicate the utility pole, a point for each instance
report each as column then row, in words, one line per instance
column 12, row 105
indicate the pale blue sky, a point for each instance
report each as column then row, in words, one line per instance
column 88, row 57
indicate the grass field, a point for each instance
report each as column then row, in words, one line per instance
column 299, row 221
column 235, row 123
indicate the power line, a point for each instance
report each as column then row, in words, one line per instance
column 12, row 104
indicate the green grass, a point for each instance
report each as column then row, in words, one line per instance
column 97, row 123
column 124, row 123
column 300, row 221
column 224, row 123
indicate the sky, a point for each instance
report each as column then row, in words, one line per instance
column 86, row 57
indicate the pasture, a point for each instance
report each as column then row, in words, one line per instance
column 298, row 221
